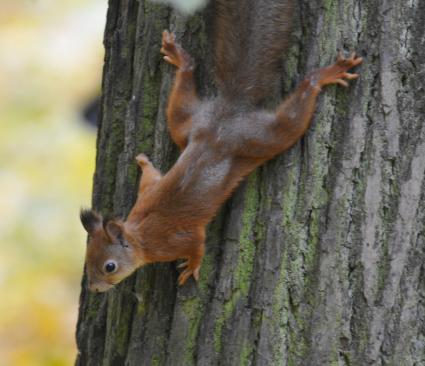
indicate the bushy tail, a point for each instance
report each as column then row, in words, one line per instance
column 250, row 38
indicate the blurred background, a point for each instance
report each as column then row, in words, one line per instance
column 51, row 57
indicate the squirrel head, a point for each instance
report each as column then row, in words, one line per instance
column 110, row 255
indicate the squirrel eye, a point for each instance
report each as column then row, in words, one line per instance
column 110, row 266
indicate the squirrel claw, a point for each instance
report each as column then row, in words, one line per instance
column 169, row 49
column 336, row 73
column 184, row 276
column 182, row 265
column 196, row 274
column 350, row 76
column 189, row 271
column 341, row 82
column 168, row 37
column 348, row 63
column 173, row 53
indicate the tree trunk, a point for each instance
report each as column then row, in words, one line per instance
column 318, row 258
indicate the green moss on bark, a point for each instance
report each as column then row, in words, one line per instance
column 244, row 266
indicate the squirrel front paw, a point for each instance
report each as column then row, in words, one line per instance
column 142, row 160
column 190, row 270
column 336, row 73
column 174, row 53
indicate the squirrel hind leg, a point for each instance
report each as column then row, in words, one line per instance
column 336, row 73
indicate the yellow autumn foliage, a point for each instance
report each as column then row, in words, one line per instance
column 50, row 67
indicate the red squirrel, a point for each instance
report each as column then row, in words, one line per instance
column 222, row 139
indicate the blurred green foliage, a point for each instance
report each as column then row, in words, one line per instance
column 50, row 67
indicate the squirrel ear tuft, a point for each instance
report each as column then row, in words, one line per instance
column 90, row 220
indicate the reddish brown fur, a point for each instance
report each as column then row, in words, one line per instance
column 221, row 141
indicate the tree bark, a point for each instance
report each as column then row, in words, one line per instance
column 318, row 258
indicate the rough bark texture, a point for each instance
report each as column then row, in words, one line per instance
column 318, row 257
